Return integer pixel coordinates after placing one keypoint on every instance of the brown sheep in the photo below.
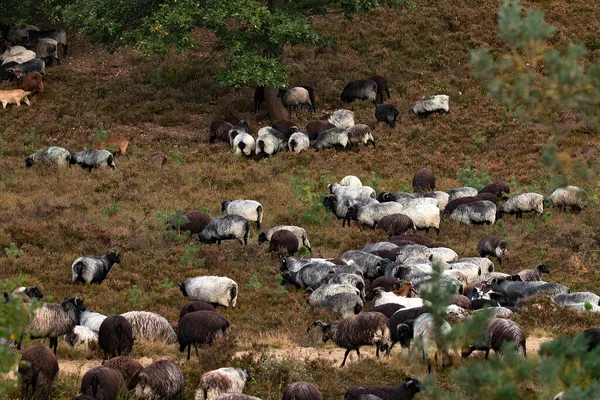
(284, 241)
(314, 128)
(33, 82)
(413, 237)
(196, 305)
(101, 383)
(498, 188)
(128, 366)
(14, 96)
(302, 391)
(396, 224)
(157, 158)
(423, 181)
(199, 328)
(115, 336)
(117, 143)
(197, 222)
(38, 371)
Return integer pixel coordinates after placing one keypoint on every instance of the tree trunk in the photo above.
(275, 107)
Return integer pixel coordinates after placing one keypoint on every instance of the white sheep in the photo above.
(91, 320)
(526, 202)
(350, 180)
(222, 380)
(371, 214)
(211, 289)
(252, 210)
(572, 197)
(269, 141)
(298, 141)
(443, 254)
(430, 105)
(340, 118)
(425, 216)
(383, 297)
(476, 212)
(82, 336)
(351, 191)
(244, 144)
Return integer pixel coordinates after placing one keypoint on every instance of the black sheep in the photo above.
(314, 128)
(382, 87)
(219, 131)
(200, 327)
(405, 391)
(387, 309)
(499, 189)
(115, 336)
(101, 383)
(128, 366)
(424, 180)
(196, 305)
(284, 241)
(387, 113)
(259, 97)
(38, 371)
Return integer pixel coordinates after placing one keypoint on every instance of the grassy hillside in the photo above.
(166, 105)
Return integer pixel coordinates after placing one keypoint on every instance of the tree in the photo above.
(255, 35)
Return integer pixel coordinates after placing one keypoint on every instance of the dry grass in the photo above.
(166, 105)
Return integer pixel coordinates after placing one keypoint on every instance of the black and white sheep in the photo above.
(37, 370)
(50, 155)
(115, 336)
(128, 366)
(430, 105)
(534, 274)
(424, 216)
(340, 205)
(284, 241)
(493, 246)
(371, 214)
(335, 137)
(298, 141)
(26, 293)
(572, 197)
(90, 159)
(360, 134)
(363, 89)
(101, 383)
(222, 380)
(311, 275)
(215, 290)
(300, 233)
(239, 129)
(150, 326)
(477, 212)
(225, 227)
(35, 65)
(340, 118)
(387, 113)
(93, 269)
(313, 128)
(295, 97)
(60, 35)
(160, 380)
(252, 210)
(526, 202)
(199, 328)
(453, 204)
(269, 141)
(302, 391)
(382, 87)
(195, 305)
(405, 391)
(461, 192)
(498, 332)
(219, 131)
(360, 330)
(343, 305)
(423, 180)
(243, 143)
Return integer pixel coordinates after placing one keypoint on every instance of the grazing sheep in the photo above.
(534, 274)
(197, 221)
(453, 204)
(400, 317)
(493, 246)
(461, 192)
(441, 197)
(363, 89)
(114, 144)
(322, 293)
(381, 246)
(368, 263)
(332, 138)
(239, 129)
(101, 383)
(311, 275)
(388, 309)
(128, 366)
(314, 128)
(60, 35)
(93, 269)
(294, 264)
(351, 191)
(219, 131)
(430, 105)
(259, 97)
(225, 227)
(82, 336)
(382, 87)
(195, 305)
(33, 82)
(572, 197)
(115, 336)
(388, 283)
(498, 332)
(157, 158)
(356, 331)
(50, 155)
(576, 298)
(91, 159)
(160, 380)
(243, 144)
(199, 328)
(340, 118)
(340, 205)
(350, 180)
(215, 290)
(300, 233)
(424, 180)
(387, 113)
(499, 189)
(360, 133)
(37, 370)
(284, 241)
(20, 58)
(371, 214)
(396, 224)
(14, 96)
(54, 320)
(348, 278)
(91, 320)
(526, 202)
(250, 209)
(269, 141)
(222, 380)
(150, 326)
(477, 212)
(284, 129)
(405, 391)
(343, 305)
(302, 391)
(295, 97)
(298, 141)
(424, 216)
(442, 254)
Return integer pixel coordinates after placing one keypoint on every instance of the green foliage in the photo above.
(177, 156)
(471, 177)
(13, 251)
(112, 210)
(134, 294)
(166, 284)
(254, 283)
(309, 194)
(172, 223)
(303, 251)
(100, 133)
(189, 256)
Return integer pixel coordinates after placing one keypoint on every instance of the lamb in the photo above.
(340, 118)
(14, 96)
(572, 197)
(114, 144)
(150, 326)
(314, 128)
(91, 159)
(93, 269)
(224, 227)
(284, 241)
(396, 224)
(200, 327)
(195, 305)
(331, 138)
(425, 107)
(382, 87)
(60, 35)
(222, 380)
(499, 189)
(128, 366)
(425, 216)
(157, 158)
(526, 202)
(259, 97)
(424, 180)
(298, 141)
(323, 292)
(160, 380)
(91, 320)
(243, 144)
(216, 290)
(82, 336)
(197, 221)
(54, 320)
(405, 391)
(219, 131)
(33, 82)
(269, 141)
(37, 370)
(461, 192)
(363, 89)
(360, 133)
(534, 274)
(300, 233)
(576, 298)
(498, 332)
(101, 383)
(453, 204)
(371, 214)
(350, 180)
(295, 97)
(477, 212)
(343, 305)
(115, 336)
(302, 391)
(360, 330)
(493, 246)
(387, 113)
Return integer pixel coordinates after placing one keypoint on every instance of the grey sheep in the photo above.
(16, 34)
(343, 305)
(150, 326)
(300, 233)
(115, 336)
(199, 328)
(222, 380)
(314, 128)
(269, 141)
(526, 202)
(381, 246)
(477, 212)
(396, 224)
(534, 274)
(101, 383)
(371, 214)
(339, 205)
(90, 159)
(298, 141)
(368, 263)
(34, 65)
(128, 366)
(60, 35)
(45, 49)
(332, 138)
(348, 278)
(387, 113)
(37, 370)
(302, 391)
(430, 105)
(243, 143)
(382, 87)
(461, 192)
(195, 305)
(351, 191)
(340, 118)
(93, 269)
(577, 297)
(360, 330)
(360, 134)
(294, 264)
(405, 391)
(311, 275)
(453, 204)
(160, 380)
(363, 89)
(252, 210)
(238, 129)
(424, 216)
(572, 197)
(323, 292)
(423, 180)
(50, 155)
(441, 197)
(216, 290)
(225, 227)
(499, 189)
(493, 246)
(284, 241)
(498, 332)
(219, 131)
(295, 97)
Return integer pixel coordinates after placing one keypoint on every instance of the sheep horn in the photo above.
(317, 323)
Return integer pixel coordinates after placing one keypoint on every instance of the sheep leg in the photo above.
(189, 349)
(196, 347)
(487, 353)
(54, 344)
(437, 230)
(345, 356)
(377, 351)
(358, 352)
(26, 100)
(27, 391)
